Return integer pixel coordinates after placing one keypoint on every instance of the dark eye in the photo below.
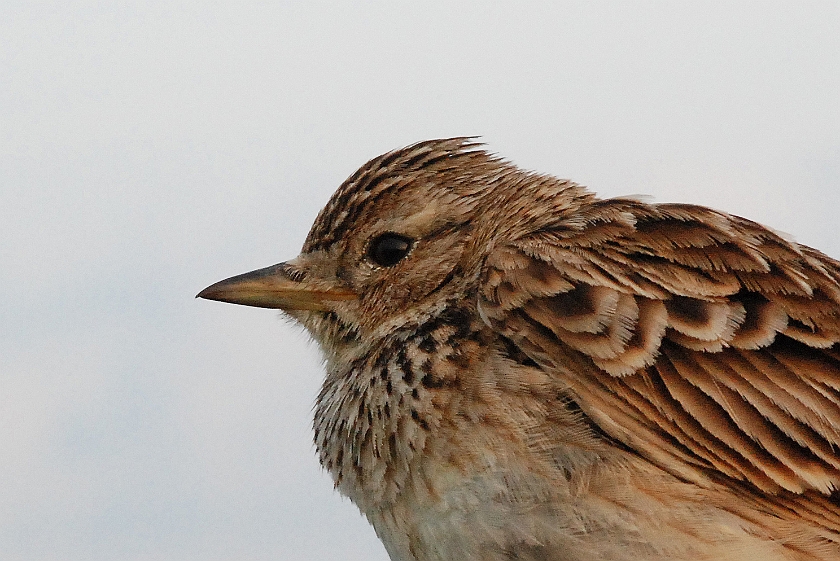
(388, 249)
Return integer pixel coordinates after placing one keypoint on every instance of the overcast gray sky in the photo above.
(148, 149)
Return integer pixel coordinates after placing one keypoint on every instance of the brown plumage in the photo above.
(517, 369)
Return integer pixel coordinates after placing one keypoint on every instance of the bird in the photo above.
(518, 369)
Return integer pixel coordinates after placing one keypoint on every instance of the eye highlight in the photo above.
(388, 249)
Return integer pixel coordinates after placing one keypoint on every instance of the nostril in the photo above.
(293, 273)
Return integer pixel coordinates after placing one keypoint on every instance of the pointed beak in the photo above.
(273, 287)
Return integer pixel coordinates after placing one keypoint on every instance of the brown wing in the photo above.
(704, 341)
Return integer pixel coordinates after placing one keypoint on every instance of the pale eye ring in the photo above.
(388, 249)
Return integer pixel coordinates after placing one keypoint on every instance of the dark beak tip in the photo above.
(273, 288)
(205, 293)
(213, 292)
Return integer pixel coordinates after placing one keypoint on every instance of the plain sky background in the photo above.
(148, 149)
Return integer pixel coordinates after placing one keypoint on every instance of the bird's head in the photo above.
(401, 239)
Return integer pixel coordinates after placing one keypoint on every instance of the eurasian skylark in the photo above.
(517, 369)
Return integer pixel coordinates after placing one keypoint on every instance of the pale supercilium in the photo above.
(517, 369)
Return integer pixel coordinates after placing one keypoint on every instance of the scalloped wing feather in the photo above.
(704, 341)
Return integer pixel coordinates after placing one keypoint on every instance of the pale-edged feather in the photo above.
(725, 366)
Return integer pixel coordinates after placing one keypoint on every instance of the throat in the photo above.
(375, 415)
